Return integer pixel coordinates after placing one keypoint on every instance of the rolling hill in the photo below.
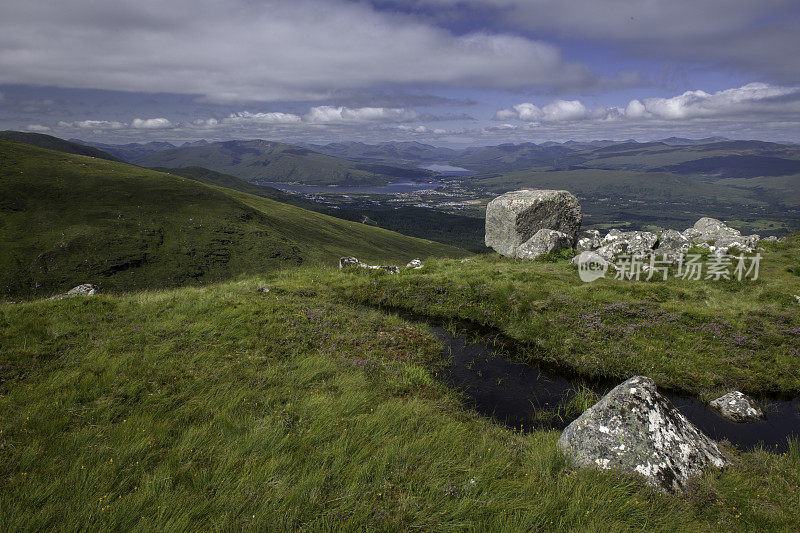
(268, 161)
(68, 219)
(54, 143)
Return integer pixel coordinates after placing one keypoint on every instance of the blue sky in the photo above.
(444, 72)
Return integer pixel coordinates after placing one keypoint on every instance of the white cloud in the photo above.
(556, 111)
(93, 124)
(244, 117)
(749, 102)
(265, 50)
(37, 128)
(331, 114)
(151, 123)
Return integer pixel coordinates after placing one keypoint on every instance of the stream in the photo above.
(516, 394)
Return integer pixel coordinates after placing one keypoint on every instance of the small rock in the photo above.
(634, 429)
(544, 241)
(737, 407)
(467, 260)
(588, 240)
(85, 289)
(416, 264)
(262, 290)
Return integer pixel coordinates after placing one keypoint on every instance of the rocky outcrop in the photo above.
(610, 251)
(85, 289)
(634, 429)
(720, 235)
(543, 241)
(352, 262)
(737, 407)
(513, 218)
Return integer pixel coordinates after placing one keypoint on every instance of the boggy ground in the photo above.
(301, 408)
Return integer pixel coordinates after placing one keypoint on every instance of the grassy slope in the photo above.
(703, 337)
(54, 143)
(70, 219)
(273, 161)
(220, 408)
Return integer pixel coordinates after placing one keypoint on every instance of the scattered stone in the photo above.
(85, 289)
(638, 242)
(543, 241)
(610, 251)
(346, 262)
(589, 256)
(262, 290)
(514, 217)
(797, 297)
(737, 407)
(416, 264)
(467, 260)
(634, 429)
(771, 238)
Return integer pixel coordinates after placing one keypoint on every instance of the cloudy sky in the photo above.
(444, 72)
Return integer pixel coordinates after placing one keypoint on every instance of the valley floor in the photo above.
(306, 407)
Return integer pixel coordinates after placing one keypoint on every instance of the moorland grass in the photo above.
(298, 408)
(701, 337)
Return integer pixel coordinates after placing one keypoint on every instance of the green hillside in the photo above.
(67, 219)
(54, 143)
(269, 161)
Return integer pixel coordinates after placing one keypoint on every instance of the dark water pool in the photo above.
(516, 394)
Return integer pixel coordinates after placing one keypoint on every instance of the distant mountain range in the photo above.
(367, 164)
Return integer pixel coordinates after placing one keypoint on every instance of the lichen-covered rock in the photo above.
(416, 264)
(737, 407)
(514, 217)
(673, 241)
(588, 240)
(543, 241)
(634, 429)
(85, 289)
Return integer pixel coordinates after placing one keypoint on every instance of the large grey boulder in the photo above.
(738, 407)
(543, 241)
(634, 429)
(514, 217)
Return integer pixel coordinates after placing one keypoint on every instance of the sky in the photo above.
(441, 72)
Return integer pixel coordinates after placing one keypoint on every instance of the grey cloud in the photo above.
(254, 50)
(747, 34)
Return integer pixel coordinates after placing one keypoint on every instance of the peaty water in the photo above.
(516, 394)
